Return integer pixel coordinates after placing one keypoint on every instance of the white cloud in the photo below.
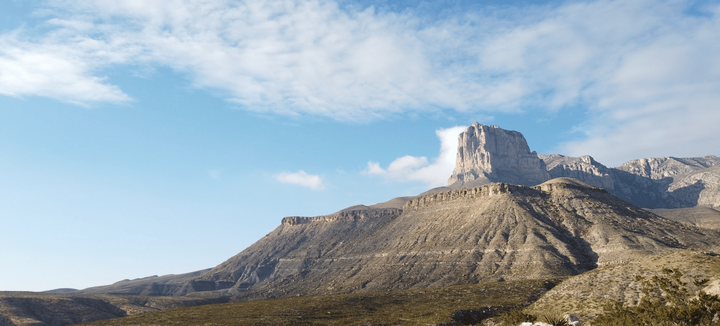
(411, 168)
(301, 178)
(633, 66)
(59, 71)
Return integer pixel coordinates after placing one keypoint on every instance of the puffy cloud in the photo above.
(301, 178)
(411, 168)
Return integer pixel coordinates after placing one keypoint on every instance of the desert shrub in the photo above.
(514, 317)
(555, 320)
(665, 301)
(475, 316)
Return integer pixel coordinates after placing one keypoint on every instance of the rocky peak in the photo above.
(583, 168)
(489, 154)
(668, 167)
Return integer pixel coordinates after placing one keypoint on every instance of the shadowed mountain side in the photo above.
(704, 217)
(488, 233)
(653, 183)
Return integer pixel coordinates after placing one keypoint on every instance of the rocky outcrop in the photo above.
(651, 183)
(344, 215)
(489, 154)
(583, 168)
(668, 167)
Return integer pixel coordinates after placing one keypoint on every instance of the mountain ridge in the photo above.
(492, 232)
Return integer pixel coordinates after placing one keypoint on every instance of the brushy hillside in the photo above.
(405, 307)
(585, 295)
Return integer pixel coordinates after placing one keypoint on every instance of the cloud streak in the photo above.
(63, 72)
(301, 178)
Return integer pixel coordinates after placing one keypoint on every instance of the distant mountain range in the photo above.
(491, 154)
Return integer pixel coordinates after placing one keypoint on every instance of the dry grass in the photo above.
(408, 307)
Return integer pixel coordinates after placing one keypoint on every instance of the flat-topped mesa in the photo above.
(352, 215)
(488, 154)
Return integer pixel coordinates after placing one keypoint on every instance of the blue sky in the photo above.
(152, 138)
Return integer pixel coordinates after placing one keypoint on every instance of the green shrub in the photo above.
(515, 316)
(665, 301)
(555, 320)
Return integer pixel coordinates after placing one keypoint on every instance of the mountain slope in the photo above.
(489, 233)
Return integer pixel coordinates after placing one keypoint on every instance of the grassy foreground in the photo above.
(409, 307)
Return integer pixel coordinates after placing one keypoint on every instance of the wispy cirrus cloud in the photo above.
(301, 178)
(60, 71)
(412, 168)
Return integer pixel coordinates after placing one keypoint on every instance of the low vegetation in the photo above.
(458, 305)
(666, 301)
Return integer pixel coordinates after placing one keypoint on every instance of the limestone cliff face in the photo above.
(489, 154)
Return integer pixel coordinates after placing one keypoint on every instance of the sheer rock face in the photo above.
(489, 154)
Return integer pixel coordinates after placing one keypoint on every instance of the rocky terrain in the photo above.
(652, 183)
(585, 294)
(488, 154)
(489, 233)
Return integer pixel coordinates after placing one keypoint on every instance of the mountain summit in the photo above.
(488, 154)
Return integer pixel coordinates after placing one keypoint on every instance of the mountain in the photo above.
(488, 154)
(492, 232)
(507, 214)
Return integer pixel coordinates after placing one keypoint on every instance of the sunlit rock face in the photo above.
(489, 154)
